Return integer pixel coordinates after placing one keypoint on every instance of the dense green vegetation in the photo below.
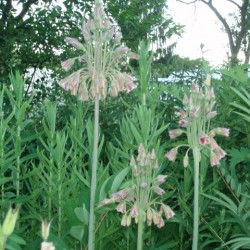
(48, 136)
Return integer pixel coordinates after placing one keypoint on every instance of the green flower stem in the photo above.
(2, 242)
(91, 237)
(140, 231)
(196, 154)
(18, 149)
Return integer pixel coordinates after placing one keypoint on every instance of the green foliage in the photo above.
(245, 97)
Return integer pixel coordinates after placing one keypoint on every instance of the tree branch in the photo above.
(225, 24)
(243, 24)
(25, 9)
(233, 2)
(194, 1)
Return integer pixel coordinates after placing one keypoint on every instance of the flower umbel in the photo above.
(102, 53)
(143, 197)
(196, 116)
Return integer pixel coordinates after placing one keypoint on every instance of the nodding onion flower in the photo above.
(194, 121)
(101, 54)
(144, 195)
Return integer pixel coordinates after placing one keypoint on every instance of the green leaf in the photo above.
(77, 232)
(82, 214)
(119, 179)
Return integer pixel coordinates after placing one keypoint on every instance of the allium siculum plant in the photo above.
(100, 75)
(142, 201)
(195, 119)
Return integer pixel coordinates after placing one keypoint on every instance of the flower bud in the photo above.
(124, 220)
(208, 80)
(45, 228)
(185, 160)
(128, 222)
(211, 115)
(222, 131)
(10, 221)
(143, 185)
(159, 179)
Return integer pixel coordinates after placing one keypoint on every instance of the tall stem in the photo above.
(196, 154)
(18, 146)
(91, 238)
(59, 206)
(140, 231)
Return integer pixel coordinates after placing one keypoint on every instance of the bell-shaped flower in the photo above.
(171, 155)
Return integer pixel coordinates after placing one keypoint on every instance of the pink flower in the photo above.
(220, 153)
(211, 114)
(159, 179)
(160, 223)
(204, 139)
(134, 211)
(106, 202)
(213, 144)
(169, 213)
(214, 159)
(66, 65)
(156, 217)
(183, 123)
(175, 133)
(222, 131)
(122, 194)
(159, 191)
(171, 155)
(71, 82)
(121, 208)
(74, 42)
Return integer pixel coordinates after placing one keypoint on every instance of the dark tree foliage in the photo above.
(32, 32)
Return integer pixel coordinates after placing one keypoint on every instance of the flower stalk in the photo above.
(140, 231)
(142, 201)
(91, 240)
(196, 155)
(195, 120)
(99, 76)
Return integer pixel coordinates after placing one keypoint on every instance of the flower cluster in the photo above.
(144, 196)
(194, 121)
(102, 53)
